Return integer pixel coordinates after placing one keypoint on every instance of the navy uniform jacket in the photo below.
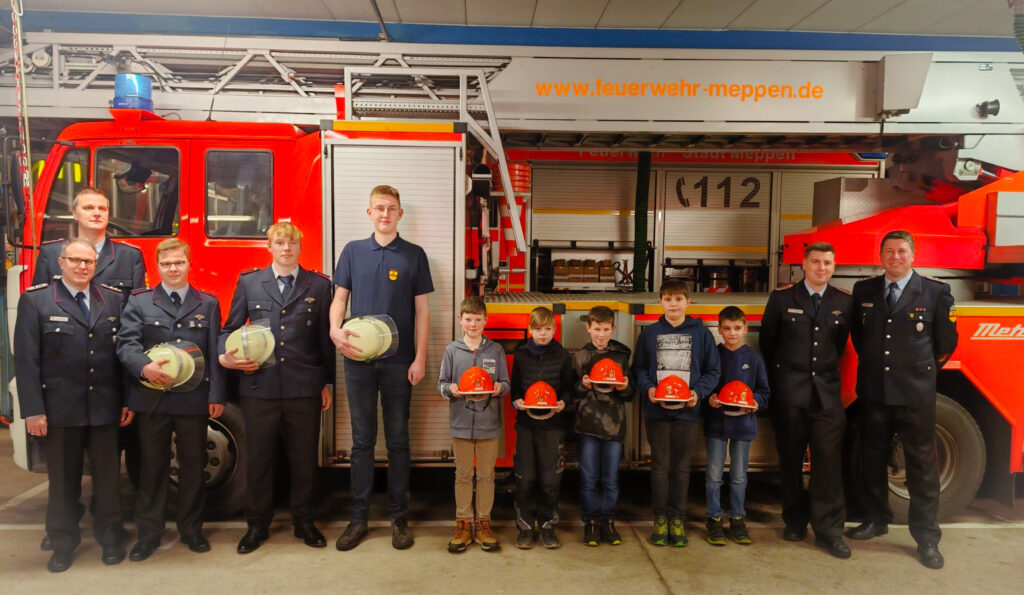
(802, 350)
(900, 351)
(117, 265)
(66, 366)
(303, 352)
(149, 319)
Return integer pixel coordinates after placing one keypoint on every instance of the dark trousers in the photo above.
(672, 442)
(916, 429)
(538, 466)
(190, 444)
(822, 430)
(297, 423)
(64, 457)
(364, 382)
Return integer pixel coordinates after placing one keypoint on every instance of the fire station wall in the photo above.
(425, 177)
(585, 203)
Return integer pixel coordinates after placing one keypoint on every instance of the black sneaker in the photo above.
(591, 534)
(549, 539)
(401, 536)
(525, 539)
(608, 532)
(716, 535)
(738, 530)
(353, 534)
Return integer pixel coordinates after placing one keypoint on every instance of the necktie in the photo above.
(816, 298)
(894, 296)
(287, 289)
(80, 298)
(176, 300)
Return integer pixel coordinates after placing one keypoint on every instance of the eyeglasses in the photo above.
(75, 262)
(166, 264)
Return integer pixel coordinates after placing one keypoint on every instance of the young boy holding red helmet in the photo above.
(473, 377)
(675, 345)
(541, 389)
(603, 386)
(728, 427)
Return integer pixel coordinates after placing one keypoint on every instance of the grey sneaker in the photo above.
(525, 539)
(549, 539)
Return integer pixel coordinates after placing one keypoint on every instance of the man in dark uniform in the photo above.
(903, 334)
(803, 333)
(118, 265)
(70, 393)
(172, 311)
(383, 274)
(284, 398)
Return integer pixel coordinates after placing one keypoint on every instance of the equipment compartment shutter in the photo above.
(425, 177)
(717, 214)
(586, 203)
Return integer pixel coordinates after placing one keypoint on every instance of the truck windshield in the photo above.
(142, 184)
(72, 177)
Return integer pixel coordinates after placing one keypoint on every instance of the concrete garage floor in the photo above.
(983, 550)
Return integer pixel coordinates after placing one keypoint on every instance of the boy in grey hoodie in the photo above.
(475, 422)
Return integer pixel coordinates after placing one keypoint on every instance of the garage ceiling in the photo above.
(905, 17)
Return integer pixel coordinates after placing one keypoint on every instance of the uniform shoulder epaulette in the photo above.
(141, 290)
(841, 290)
(52, 241)
(58, 277)
(250, 271)
(111, 287)
(321, 275)
(944, 282)
(39, 286)
(207, 293)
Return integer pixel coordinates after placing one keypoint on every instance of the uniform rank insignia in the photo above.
(836, 312)
(393, 274)
(200, 317)
(112, 318)
(59, 319)
(867, 305)
(310, 300)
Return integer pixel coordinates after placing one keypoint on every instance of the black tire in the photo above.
(960, 454)
(226, 457)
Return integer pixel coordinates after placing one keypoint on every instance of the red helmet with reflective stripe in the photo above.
(738, 394)
(540, 395)
(475, 380)
(672, 388)
(607, 371)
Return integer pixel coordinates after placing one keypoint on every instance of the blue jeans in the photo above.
(599, 476)
(739, 457)
(363, 383)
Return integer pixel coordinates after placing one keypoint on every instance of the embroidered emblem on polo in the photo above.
(393, 274)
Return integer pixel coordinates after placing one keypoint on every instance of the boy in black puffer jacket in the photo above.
(540, 435)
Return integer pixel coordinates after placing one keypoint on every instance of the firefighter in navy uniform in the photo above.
(286, 397)
(903, 333)
(803, 333)
(70, 393)
(173, 310)
(118, 265)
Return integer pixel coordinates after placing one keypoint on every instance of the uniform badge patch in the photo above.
(795, 311)
(59, 319)
(952, 313)
(393, 274)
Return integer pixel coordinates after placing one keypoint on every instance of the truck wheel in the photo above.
(224, 471)
(960, 455)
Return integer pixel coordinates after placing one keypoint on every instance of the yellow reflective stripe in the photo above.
(362, 126)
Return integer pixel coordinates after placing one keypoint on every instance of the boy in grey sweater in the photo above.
(474, 414)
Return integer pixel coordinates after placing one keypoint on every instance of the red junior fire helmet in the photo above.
(540, 395)
(476, 380)
(738, 394)
(607, 371)
(672, 388)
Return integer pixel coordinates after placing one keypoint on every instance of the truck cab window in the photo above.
(239, 198)
(142, 184)
(71, 177)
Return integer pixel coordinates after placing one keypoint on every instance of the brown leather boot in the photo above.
(463, 536)
(485, 537)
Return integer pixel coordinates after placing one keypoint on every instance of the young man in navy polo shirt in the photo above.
(382, 274)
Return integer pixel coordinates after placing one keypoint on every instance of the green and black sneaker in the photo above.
(591, 534)
(677, 533)
(716, 536)
(738, 529)
(659, 536)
